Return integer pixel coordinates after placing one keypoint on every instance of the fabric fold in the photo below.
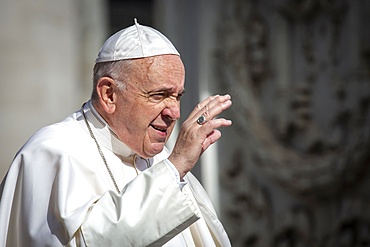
(160, 198)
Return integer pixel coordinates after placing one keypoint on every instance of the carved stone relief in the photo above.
(299, 75)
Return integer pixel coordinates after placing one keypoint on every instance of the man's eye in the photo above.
(179, 96)
(157, 97)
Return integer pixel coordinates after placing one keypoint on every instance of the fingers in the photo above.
(219, 122)
(211, 138)
(208, 132)
(207, 127)
(211, 107)
(203, 119)
(196, 135)
(201, 105)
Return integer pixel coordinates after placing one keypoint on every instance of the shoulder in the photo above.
(64, 135)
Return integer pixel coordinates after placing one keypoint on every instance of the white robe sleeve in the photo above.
(149, 212)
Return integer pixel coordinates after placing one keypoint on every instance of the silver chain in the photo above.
(101, 152)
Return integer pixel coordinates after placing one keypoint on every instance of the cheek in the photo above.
(144, 116)
(139, 116)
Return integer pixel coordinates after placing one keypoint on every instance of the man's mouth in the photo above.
(161, 129)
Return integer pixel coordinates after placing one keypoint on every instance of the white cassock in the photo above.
(58, 192)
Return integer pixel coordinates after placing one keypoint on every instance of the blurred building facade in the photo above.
(293, 169)
(296, 172)
(47, 52)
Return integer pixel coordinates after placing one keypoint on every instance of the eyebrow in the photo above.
(171, 89)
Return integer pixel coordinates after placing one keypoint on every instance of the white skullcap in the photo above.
(136, 41)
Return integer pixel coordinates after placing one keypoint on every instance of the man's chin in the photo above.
(155, 149)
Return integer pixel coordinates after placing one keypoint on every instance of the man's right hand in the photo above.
(194, 138)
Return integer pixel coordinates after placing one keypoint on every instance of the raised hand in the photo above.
(199, 131)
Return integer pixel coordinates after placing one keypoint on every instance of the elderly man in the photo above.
(103, 176)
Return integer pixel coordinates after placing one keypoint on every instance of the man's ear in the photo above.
(106, 89)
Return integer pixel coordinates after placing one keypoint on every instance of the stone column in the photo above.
(189, 26)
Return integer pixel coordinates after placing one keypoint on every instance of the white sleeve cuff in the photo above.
(175, 173)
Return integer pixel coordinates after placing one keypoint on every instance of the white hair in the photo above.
(117, 70)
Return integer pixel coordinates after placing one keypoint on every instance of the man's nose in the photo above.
(172, 109)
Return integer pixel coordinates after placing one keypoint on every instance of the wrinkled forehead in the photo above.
(163, 69)
(159, 64)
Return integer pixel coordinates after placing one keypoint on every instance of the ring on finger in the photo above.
(201, 120)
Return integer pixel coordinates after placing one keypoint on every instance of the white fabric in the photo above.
(136, 41)
(57, 192)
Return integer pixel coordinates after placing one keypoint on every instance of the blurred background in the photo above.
(293, 170)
